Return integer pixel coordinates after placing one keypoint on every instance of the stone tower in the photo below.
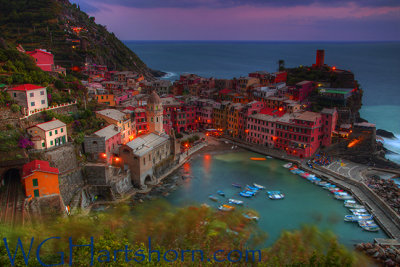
(154, 113)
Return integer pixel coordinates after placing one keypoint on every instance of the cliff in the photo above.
(69, 33)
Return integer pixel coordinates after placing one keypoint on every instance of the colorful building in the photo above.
(30, 97)
(108, 99)
(103, 144)
(48, 134)
(45, 61)
(39, 179)
(122, 120)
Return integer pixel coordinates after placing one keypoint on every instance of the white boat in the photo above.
(250, 216)
(369, 225)
(269, 157)
(356, 218)
(275, 195)
(354, 206)
(235, 201)
(343, 197)
(359, 210)
(259, 186)
(288, 165)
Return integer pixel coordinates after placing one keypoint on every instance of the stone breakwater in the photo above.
(387, 190)
(387, 255)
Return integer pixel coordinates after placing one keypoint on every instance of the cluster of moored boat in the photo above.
(359, 213)
(247, 192)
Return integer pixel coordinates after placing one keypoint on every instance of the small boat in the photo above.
(343, 197)
(252, 188)
(226, 208)
(329, 185)
(288, 165)
(275, 195)
(354, 206)
(221, 193)
(359, 210)
(261, 187)
(246, 194)
(250, 216)
(360, 213)
(356, 218)
(269, 157)
(258, 159)
(235, 201)
(369, 225)
(335, 189)
(340, 193)
(213, 198)
(351, 201)
(322, 183)
(237, 185)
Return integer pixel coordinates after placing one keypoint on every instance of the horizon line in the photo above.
(292, 41)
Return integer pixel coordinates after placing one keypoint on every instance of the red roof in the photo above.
(272, 112)
(38, 51)
(26, 87)
(37, 165)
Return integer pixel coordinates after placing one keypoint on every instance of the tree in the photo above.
(281, 65)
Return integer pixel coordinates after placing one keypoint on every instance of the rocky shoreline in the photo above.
(388, 255)
(387, 190)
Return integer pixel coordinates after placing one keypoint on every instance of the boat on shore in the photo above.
(213, 198)
(252, 188)
(226, 208)
(288, 165)
(359, 210)
(221, 193)
(237, 185)
(235, 201)
(354, 205)
(260, 187)
(344, 197)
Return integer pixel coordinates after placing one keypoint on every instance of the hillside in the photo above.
(70, 34)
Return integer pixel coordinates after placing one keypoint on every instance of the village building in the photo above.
(122, 120)
(48, 134)
(45, 61)
(39, 179)
(30, 97)
(103, 144)
(143, 154)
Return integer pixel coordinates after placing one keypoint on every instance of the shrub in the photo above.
(15, 108)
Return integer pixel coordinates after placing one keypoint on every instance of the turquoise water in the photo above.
(305, 203)
(376, 66)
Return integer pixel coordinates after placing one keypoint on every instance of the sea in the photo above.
(376, 66)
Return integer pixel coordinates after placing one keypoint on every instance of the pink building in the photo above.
(329, 120)
(103, 144)
(302, 90)
(43, 59)
(31, 97)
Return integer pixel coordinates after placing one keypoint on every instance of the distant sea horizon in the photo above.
(375, 64)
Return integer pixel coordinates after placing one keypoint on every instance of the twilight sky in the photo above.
(325, 20)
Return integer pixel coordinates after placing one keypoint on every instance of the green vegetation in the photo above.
(9, 139)
(19, 68)
(49, 24)
(189, 228)
(302, 73)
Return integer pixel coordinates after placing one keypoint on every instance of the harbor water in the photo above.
(304, 203)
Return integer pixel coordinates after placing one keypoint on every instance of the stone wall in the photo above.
(71, 183)
(62, 157)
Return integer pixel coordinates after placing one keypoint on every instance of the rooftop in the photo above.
(112, 114)
(37, 165)
(145, 143)
(50, 125)
(307, 116)
(26, 87)
(108, 131)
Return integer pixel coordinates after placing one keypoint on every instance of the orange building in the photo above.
(106, 99)
(39, 179)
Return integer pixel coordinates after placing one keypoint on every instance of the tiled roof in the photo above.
(37, 165)
(26, 87)
(50, 125)
(112, 114)
(108, 131)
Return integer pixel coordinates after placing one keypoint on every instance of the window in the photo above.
(32, 94)
(51, 142)
(50, 133)
(32, 104)
(55, 132)
(62, 130)
(43, 102)
(41, 92)
(35, 182)
(15, 94)
(36, 192)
